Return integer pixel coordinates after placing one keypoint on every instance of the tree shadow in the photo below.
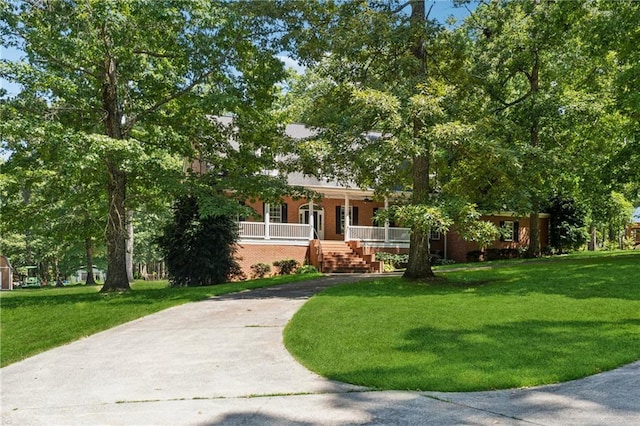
(502, 356)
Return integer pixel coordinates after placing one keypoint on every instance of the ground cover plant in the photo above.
(518, 325)
(34, 320)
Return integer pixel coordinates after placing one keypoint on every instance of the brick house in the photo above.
(633, 229)
(338, 233)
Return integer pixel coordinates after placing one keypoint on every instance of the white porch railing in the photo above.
(289, 231)
(373, 233)
(251, 229)
(366, 233)
(277, 231)
(298, 231)
(399, 234)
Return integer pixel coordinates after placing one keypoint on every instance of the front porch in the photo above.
(296, 233)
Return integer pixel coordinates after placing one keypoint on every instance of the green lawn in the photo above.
(517, 325)
(34, 320)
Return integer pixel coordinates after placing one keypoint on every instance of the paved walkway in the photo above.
(222, 362)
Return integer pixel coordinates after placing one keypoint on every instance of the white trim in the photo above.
(253, 242)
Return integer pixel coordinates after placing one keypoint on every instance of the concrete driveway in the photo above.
(222, 361)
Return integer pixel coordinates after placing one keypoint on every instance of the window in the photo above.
(277, 213)
(636, 235)
(434, 235)
(508, 228)
(353, 215)
(510, 231)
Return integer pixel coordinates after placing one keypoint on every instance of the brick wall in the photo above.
(250, 254)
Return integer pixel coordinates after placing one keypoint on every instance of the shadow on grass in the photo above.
(615, 277)
(501, 356)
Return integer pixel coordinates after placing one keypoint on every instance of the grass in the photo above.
(34, 320)
(519, 325)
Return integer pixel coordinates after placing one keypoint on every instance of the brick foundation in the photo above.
(250, 254)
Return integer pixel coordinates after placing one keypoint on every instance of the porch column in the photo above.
(267, 220)
(311, 221)
(346, 217)
(386, 222)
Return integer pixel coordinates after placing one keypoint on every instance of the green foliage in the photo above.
(199, 250)
(567, 227)
(307, 269)
(121, 92)
(286, 266)
(396, 261)
(524, 324)
(259, 270)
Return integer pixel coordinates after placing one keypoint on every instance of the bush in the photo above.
(259, 270)
(307, 269)
(398, 261)
(437, 260)
(199, 250)
(286, 266)
(567, 226)
(495, 254)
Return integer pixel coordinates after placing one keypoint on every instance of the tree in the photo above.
(380, 90)
(522, 53)
(567, 227)
(199, 249)
(133, 82)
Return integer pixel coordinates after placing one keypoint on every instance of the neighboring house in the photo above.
(80, 276)
(338, 233)
(633, 230)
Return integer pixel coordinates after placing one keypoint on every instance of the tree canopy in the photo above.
(127, 87)
(521, 102)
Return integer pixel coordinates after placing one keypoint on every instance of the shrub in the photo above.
(259, 270)
(495, 254)
(388, 267)
(306, 269)
(199, 250)
(398, 261)
(286, 266)
(567, 226)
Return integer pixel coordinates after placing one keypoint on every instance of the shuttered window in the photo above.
(353, 214)
(277, 213)
(512, 230)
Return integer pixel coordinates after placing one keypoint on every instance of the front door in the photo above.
(318, 220)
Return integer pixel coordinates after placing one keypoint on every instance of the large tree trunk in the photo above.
(534, 235)
(88, 247)
(534, 217)
(419, 265)
(116, 231)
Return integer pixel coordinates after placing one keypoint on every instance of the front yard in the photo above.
(519, 325)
